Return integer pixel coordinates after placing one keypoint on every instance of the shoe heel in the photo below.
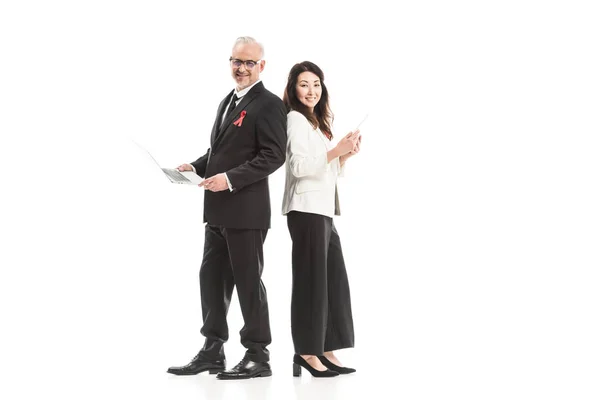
(214, 371)
(297, 370)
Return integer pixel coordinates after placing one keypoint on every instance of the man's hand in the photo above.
(185, 167)
(216, 183)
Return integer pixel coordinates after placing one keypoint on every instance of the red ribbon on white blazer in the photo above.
(238, 122)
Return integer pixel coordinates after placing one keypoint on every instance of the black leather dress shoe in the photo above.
(199, 364)
(342, 370)
(247, 369)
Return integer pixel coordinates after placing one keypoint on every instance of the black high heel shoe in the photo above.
(333, 367)
(301, 362)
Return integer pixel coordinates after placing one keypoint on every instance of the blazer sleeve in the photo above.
(303, 160)
(271, 138)
(200, 164)
(341, 168)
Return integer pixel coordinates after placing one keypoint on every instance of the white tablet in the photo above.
(361, 122)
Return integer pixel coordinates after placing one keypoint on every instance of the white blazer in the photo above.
(310, 181)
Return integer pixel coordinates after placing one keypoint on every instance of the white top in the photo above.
(310, 181)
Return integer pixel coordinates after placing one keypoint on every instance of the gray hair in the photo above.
(249, 40)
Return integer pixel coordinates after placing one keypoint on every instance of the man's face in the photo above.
(243, 72)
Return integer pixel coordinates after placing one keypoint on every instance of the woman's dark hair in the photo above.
(321, 117)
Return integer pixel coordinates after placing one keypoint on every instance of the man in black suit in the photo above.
(248, 143)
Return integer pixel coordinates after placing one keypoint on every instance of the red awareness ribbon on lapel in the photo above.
(238, 122)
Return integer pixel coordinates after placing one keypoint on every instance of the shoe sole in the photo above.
(263, 374)
(211, 371)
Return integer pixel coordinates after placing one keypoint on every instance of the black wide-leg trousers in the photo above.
(234, 257)
(321, 310)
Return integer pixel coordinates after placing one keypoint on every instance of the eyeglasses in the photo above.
(249, 64)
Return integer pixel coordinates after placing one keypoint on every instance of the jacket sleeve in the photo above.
(304, 160)
(341, 168)
(200, 164)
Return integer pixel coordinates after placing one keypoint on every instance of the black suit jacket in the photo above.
(248, 154)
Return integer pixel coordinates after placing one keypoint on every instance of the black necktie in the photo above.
(231, 107)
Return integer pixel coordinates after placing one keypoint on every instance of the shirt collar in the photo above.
(243, 92)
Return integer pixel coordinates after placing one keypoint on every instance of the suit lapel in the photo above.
(323, 138)
(215, 131)
(224, 128)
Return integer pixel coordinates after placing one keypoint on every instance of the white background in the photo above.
(470, 219)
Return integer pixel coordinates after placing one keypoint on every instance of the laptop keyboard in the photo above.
(175, 175)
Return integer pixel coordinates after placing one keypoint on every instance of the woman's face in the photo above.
(308, 89)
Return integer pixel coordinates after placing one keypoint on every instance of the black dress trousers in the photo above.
(321, 309)
(234, 257)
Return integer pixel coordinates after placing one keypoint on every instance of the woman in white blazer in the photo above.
(321, 311)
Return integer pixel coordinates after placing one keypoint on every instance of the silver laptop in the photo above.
(185, 177)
